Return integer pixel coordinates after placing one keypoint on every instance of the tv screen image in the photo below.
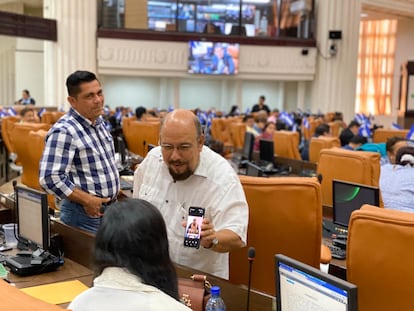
(213, 58)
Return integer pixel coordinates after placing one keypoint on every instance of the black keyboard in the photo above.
(337, 252)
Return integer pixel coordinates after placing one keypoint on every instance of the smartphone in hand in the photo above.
(193, 228)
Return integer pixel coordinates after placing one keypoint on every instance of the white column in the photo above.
(75, 48)
(334, 88)
(7, 70)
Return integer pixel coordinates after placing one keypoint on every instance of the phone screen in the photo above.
(193, 228)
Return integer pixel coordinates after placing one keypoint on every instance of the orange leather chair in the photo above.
(138, 134)
(380, 258)
(361, 167)
(237, 131)
(286, 144)
(316, 144)
(335, 128)
(50, 117)
(381, 135)
(7, 125)
(285, 216)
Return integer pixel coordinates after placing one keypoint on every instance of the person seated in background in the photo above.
(132, 262)
(355, 142)
(392, 145)
(234, 111)
(397, 181)
(28, 115)
(141, 113)
(261, 105)
(321, 130)
(273, 116)
(349, 132)
(267, 134)
(26, 99)
(250, 125)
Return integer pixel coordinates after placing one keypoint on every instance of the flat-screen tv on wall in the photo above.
(213, 58)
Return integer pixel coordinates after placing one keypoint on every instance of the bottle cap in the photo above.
(215, 290)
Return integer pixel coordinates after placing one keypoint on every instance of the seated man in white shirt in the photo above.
(181, 173)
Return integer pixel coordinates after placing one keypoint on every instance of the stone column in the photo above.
(334, 87)
(75, 48)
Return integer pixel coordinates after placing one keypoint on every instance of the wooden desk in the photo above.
(78, 246)
(70, 270)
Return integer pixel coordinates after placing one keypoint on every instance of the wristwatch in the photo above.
(214, 243)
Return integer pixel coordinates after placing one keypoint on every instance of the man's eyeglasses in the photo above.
(180, 147)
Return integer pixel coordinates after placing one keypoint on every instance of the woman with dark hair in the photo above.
(132, 262)
(397, 181)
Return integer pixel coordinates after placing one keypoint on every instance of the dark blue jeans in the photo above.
(74, 215)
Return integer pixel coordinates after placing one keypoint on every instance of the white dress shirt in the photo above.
(213, 186)
(117, 289)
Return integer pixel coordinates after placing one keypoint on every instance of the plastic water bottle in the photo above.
(215, 303)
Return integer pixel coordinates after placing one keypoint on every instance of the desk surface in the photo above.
(70, 270)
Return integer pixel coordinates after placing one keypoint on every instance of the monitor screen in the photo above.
(248, 146)
(121, 149)
(348, 197)
(266, 150)
(302, 287)
(32, 218)
(213, 58)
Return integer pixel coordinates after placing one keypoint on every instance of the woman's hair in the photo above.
(140, 111)
(133, 236)
(405, 156)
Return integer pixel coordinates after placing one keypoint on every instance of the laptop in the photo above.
(302, 287)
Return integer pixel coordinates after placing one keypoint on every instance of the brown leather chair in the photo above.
(29, 141)
(286, 144)
(361, 167)
(382, 135)
(50, 117)
(380, 258)
(138, 134)
(7, 124)
(237, 131)
(316, 144)
(285, 216)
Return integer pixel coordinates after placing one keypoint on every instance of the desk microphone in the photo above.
(320, 178)
(251, 254)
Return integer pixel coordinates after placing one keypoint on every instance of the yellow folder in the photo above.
(56, 293)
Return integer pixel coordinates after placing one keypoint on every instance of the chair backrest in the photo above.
(316, 144)
(50, 117)
(361, 167)
(381, 135)
(285, 216)
(139, 134)
(20, 140)
(380, 258)
(7, 124)
(335, 128)
(237, 131)
(286, 144)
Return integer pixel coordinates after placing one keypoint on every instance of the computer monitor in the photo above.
(348, 197)
(122, 150)
(266, 150)
(32, 218)
(248, 146)
(302, 287)
(253, 170)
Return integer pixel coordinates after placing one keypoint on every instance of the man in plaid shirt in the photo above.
(78, 163)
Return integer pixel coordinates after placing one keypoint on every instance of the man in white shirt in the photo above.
(182, 172)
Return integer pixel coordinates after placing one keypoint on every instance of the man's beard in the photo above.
(181, 176)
